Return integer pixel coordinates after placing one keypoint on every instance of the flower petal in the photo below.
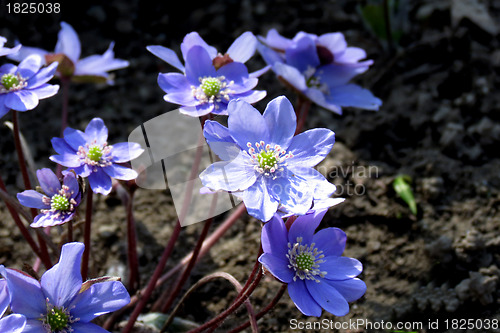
(13, 323)
(120, 172)
(328, 297)
(260, 204)
(32, 199)
(49, 219)
(22, 100)
(26, 293)
(100, 182)
(126, 151)
(290, 75)
(167, 55)
(184, 98)
(310, 147)
(304, 227)
(46, 90)
(278, 266)
(99, 299)
(294, 193)
(302, 298)
(68, 42)
(331, 241)
(29, 66)
(61, 146)
(96, 130)
(75, 138)
(351, 289)
(281, 121)
(341, 268)
(48, 181)
(67, 160)
(334, 42)
(193, 39)
(274, 237)
(80, 327)
(233, 175)
(99, 65)
(355, 96)
(63, 281)
(303, 54)
(72, 183)
(246, 124)
(243, 48)
(173, 82)
(4, 297)
(198, 65)
(276, 41)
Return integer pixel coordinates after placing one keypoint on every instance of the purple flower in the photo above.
(58, 204)
(312, 264)
(89, 155)
(320, 68)
(263, 163)
(5, 50)
(60, 302)
(21, 87)
(209, 80)
(94, 68)
(13, 323)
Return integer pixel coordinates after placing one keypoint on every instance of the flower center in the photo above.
(59, 202)
(305, 261)
(11, 82)
(313, 80)
(95, 153)
(57, 319)
(268, 160)
(211, 86)
(212, 89)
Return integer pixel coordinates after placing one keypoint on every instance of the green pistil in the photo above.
(95, 153)
(59, 202)
(9, 81)
(57, 319)
(304, 261)
(267, 159)
(210, 86)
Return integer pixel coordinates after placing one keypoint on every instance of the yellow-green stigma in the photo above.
(59, 202)
(57, 319)
(304, 261)
(9, 81)
(267, 159)
(95, 153)
(211, 86)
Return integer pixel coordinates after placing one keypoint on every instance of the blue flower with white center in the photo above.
(90, 156)
(93, 68)
(13, 323)
(208, 80)
(21, 87)
(312, 266)
(58, 203)
(263, 163)
(60, 302)
(320, 68)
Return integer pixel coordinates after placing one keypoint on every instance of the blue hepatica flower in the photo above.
(320, 68)
(21, 87)
(262, 161)
(60, 302)
(208, 80)
(89, 155)
(5, 50)
(58, 204)
(312, 264)
(67, 52)
(13, 323)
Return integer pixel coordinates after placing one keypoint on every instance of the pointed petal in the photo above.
(252, 96)
(243, 48)
(100, 64)
(193, 39)
(46, 90)
(341, 268)
(22, 100)
(96, 130)
(100, 182)
(281, 121)
(32, 199)
(63, 281)
(331, 241)
(275, 237)
(328, 297)
(48, 181)
(167, 55)
(278, 266)
(99, 299)
(310, 147)
(67, 160)
(126, 151)
(246, 124)
(68, 42)
(302, 298)
(27, 296)
(351, 289)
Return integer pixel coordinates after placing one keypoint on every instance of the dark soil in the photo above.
(439, 124)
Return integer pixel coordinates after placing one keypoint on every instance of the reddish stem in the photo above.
(86, 234)
(303, 106)
(133, 261)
